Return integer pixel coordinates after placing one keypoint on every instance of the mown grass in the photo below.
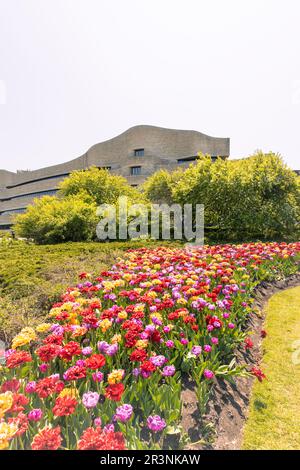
(32, 277)
(274, 419)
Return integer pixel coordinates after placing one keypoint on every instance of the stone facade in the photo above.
(134, 154)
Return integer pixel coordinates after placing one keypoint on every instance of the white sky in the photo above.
(77, 72)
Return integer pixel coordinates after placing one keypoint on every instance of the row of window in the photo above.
(137, 153)
(141, 153)
(44, 178)
(193, 159)
(13, 211)
(49, 192)
(39, 194)
(134, 170)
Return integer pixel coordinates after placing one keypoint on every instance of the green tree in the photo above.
(55, 220)
(158, 187)
(100, 184)
(255, 197)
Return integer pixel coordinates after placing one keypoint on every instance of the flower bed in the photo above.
(105, 371)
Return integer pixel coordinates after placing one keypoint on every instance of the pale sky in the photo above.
(77, 72)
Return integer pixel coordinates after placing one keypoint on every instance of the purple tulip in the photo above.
(35, 414)
(156, 423)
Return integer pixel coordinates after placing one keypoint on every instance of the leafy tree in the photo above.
(72, 215)
(100, 184)
(256, 197)
(252, 198)
(158, 187)
(54, 220)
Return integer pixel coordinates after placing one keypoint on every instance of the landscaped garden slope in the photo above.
(274, 417)
(33, 277)
(104, 371)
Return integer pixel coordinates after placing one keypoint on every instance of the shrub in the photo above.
(54, 220)
(72, 216)
(257, 197)
(253, 198)
(158, 187)
(100, 185)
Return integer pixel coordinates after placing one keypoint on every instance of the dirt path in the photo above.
(228, 406)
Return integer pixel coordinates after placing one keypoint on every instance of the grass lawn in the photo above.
(32, 277)
(274, 417)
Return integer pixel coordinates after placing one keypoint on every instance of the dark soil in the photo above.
(222, 426)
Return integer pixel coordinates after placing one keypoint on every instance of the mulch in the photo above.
(222, 426)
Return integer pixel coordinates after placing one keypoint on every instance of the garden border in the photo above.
(228, 406)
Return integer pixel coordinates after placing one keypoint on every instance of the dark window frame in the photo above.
(108, 168)
(183, 160)
(35, 180)
(135, 170)
(139, 152)
(45, 192)
(20, 210)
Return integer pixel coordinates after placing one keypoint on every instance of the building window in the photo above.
(48, 192)
(108, 168)
(13, 211)
(139, 152)
(181, 161)
(38, 179)
(135, 170)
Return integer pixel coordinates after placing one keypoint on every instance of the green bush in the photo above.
(158, 187)
(55, 220)
(100, 185)
(252, 198)
(72, 214)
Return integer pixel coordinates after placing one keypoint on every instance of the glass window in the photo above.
(186, 160)
(139, 152)
(135, 170)
(13, 211)
(38, 179)
(48, 192)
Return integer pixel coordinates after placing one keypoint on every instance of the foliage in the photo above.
(55, 220)
(71, 215)
(100, 185)
(158, 187)
(253, 198)
(5, 236)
